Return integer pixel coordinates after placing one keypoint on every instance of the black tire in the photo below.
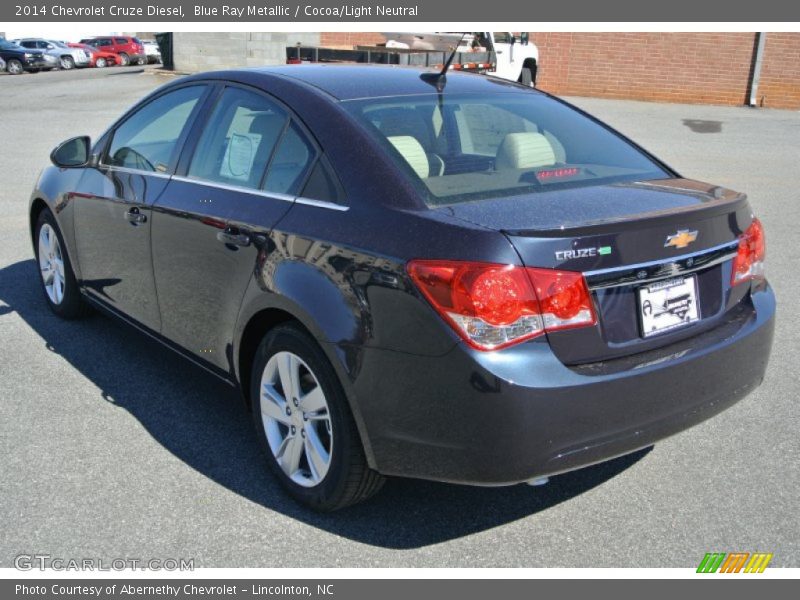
(124, 60)
(14, 67)
(141, 61)
(349, 479)
(72, 305)
(67, 63)
(528, 74)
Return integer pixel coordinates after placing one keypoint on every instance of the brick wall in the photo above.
(779, 85)
(708, 68)
(335, 39)
(701, 68)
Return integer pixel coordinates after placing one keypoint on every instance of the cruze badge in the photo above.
(582, 253)
(681, 239)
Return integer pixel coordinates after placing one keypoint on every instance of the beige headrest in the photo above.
(413, 152)
(524, 150)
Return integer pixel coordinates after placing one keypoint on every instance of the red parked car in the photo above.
(129, 49)
(97, 57)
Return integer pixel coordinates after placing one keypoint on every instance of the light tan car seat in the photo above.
(524, 150)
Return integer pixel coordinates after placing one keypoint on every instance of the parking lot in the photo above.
(113, 447)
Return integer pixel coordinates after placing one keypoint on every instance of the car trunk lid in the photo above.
(666, 243)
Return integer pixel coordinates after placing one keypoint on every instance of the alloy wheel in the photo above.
(296, 419)
(51, 264)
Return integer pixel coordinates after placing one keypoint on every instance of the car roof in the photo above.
(352, 81)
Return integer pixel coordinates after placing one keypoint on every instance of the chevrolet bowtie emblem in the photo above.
(681, 239)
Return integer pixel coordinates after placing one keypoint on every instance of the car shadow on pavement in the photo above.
(201, 420)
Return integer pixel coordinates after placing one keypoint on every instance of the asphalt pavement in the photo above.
(113, 447)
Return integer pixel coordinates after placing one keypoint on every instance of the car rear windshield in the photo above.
(458, 148)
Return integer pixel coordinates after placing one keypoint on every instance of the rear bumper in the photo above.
(506, 417)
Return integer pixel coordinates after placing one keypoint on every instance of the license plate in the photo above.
(668, 305)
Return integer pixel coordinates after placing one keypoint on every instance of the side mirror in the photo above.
(50, 46)
(72, 153)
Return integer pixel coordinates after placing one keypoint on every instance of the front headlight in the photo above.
(28, 56)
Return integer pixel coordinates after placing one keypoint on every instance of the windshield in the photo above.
(461, 148)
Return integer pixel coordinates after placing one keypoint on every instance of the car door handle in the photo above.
(232, 237)
(134, 217)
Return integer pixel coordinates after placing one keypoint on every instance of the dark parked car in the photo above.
(130, 50)
(19, 59)
(462, 280)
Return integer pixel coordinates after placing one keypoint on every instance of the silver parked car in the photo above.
(62, 55)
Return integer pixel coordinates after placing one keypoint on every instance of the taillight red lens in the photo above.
(494, 306)
(563, 297)
(496, 295)
(749, 260)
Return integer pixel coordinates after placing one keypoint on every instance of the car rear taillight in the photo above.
(749, 261)
(493, 306)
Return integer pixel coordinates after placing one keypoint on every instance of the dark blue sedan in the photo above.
(453, 278)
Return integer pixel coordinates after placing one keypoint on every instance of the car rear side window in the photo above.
(290, 165)
(463, 148)
(322, 184)
(147, 139)
(239, 139)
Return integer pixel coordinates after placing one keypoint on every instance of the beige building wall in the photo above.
(210, 51)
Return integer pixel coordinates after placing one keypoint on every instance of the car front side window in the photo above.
(147, 140)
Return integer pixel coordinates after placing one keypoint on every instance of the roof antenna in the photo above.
(439, 79)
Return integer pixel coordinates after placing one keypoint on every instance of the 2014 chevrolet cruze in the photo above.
(457, 279)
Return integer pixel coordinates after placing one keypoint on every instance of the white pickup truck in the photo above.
(515, 57)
